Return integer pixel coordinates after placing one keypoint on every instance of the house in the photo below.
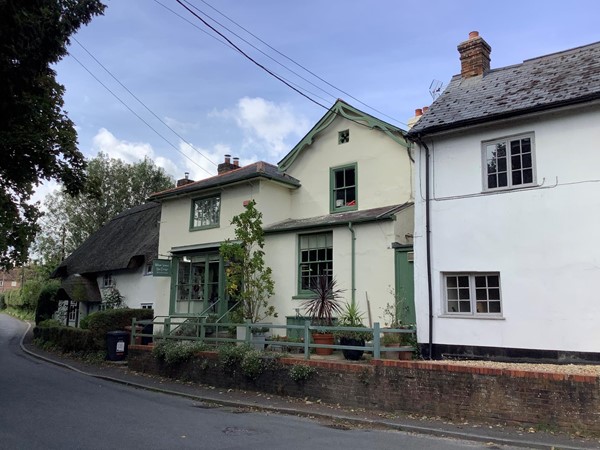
(340, 203)
(507, 166)
(116, 259)
(10, 279)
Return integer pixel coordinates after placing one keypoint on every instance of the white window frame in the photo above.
(107, 280)
(147, 305)
(472, 291)
(509, 178)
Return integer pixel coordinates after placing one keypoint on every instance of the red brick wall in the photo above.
(566, 402)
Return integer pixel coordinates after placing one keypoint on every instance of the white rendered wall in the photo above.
(383, 171)
(135, 287)
(544, 242)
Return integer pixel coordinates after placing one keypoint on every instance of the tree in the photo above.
(37, 139)
(112, 186)
(248, 278)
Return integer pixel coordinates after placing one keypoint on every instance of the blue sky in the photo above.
(383, 53)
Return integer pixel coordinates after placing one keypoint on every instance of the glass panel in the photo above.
(502, 180)
(492, 182)
(453, 307)
(339, 179)
(452, 294)
(493, 280)
(481, 294)
(463, 281)
(502, 164)
(464, 294)
(516, 162)
(500, 150)
(312, 241)
(479, 281)
(494, 293)
(526, 145)
(350, 195)
(516, 177)
(482, 307)
(350, 178)
(526, 161)
(329, 254)
(321, 240)
(494, 307)
(451, 281)
(303, 242)
(515, 147)
(329, 239)
(465, 306)
(528, 176)
(304, 257)
(312, 255)
(491, 165)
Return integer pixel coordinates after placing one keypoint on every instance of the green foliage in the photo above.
(231, 356)
(174, 352)
(47, 303)
(101, 322)
(66, 339)
(352, 317)
(252, 364)
(2, 301)
(325, 300)
(112, 299)
(20, 314)
(301, 372)
(249, 280)
(49, 323)
(37, 139)
(112, 186)
(394, 314)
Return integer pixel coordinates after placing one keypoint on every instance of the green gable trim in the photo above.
(343, 109)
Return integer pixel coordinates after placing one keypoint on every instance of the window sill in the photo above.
(343, 209)
(302, 296)
(207, 227)
(478, 316)
(511, 188)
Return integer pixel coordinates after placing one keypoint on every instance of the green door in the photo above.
(405, 287)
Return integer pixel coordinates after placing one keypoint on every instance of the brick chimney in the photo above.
(226, 166)
(474, 56)
(185, 180)
(413, 120)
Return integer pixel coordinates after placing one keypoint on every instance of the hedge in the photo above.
(68, 339)
(101, 322)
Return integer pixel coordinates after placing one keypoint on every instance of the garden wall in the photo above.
(523, 398)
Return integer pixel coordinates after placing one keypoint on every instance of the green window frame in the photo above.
(343, 183)
(205, 213)
(315, 258)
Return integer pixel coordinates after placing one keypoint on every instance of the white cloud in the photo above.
(44, 188)
(129, 152)
(180, 127)
(267, 125)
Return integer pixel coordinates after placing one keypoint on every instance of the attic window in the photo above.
(344, 137)
(343, 182)
(107, 281)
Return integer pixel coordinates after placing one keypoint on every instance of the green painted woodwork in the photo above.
(314, 251)
(211, 201)
(333, 189)
(161, 268)
(404, 285)
(343, 109)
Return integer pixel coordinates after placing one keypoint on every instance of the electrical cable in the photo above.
(144, 105)
(137, 115)
(293, 62)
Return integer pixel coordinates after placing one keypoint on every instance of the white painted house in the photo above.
(118, 257)
(340, 203)
(507, 166)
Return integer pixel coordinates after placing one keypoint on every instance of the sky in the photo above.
(201, 99)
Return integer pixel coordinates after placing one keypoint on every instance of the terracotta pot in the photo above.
(325, 339)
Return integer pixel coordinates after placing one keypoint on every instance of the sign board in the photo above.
(161, 268)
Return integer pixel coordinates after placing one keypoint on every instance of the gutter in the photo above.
(353, 270)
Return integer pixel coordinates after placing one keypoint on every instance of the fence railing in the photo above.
(260, 335)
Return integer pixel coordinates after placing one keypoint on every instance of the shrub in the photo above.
(47, 303)
(231, 356)
(252, 364)
(2, 302)
(101, 322)
(175, 352)
(67, 339)
(301, 372)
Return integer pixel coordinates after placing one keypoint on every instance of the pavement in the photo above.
(331, 415)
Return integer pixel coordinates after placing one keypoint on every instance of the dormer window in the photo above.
(344, 188)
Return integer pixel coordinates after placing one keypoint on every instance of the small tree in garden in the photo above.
(248, 278)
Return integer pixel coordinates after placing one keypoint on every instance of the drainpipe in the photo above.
(353, 261)
(428, 244)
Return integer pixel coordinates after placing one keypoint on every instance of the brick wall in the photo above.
(559, 401)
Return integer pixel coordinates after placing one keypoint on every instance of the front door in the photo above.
(405, 288)
(198, 285)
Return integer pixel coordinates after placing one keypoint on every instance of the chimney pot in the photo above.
(227, 159)
(186, 175)
(418, 112)
(473, 34)
(236, 161)
(425, 109)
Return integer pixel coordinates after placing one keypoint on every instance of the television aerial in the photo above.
(435, 88)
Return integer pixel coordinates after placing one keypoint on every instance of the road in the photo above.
(43, 406)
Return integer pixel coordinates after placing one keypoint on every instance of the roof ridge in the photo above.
(560, 52)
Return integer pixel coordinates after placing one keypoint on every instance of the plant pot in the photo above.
(405, 355)
(324, 339)
(352, 355)
(390, 355)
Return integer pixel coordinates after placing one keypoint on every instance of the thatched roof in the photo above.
(123, 243)
(79, 289)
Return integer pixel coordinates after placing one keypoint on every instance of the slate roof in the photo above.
(338, 219)
(259, 169)
(551, 81)
(123, 243)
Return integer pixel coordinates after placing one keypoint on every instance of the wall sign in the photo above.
(161, 268)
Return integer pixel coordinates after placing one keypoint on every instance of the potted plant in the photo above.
(352, 318)
(321, 307)
(394, 316)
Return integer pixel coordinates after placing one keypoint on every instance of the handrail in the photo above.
(373, 346)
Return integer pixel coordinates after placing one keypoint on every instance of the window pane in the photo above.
(480, 282)
(481, 294)
(526, 145)
(463, 294)
(339, 179)
(516, 177)
(452, 294)
(515, 147)
(492, 167)
(501, 150)
(528, 176)
(502, 165)
(463, 281)
(526, 161)
(482, 307)
(492, 181)
(350, 177)
(494, 294)
(350, 195)
(493, 280)
(494, 307)
(516, 162)
(502, 180)
(321, 254)
(451, 281)
(453, 306)
(465, 306)
(304, 256)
